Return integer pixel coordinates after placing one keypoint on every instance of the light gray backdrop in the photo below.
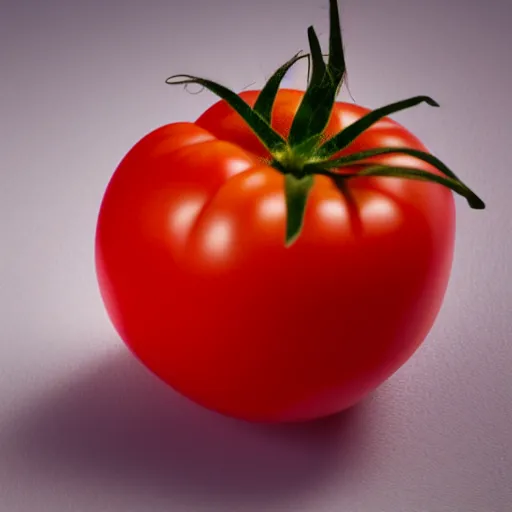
(83, 427)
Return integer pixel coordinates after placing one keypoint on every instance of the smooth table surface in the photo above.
(83, 426)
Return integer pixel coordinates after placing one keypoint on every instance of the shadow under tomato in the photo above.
(120, 424)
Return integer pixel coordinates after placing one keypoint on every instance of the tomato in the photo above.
(282, 256)
(198, 283)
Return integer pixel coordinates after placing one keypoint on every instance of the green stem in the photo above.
(306, 153)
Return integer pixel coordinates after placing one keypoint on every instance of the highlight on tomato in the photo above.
(282, 256)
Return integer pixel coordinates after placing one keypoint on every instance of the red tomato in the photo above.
(199, 284)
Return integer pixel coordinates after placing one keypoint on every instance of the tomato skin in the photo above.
(196, 279)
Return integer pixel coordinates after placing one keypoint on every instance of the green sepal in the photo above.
(308, 146)
(307, 153)
(336, 63)
(410, 173)
(260, 127)
(347, 135)
(318, 67)
(324, 85)
(267, 96)
(296, 192)
(356, 158)
(309, 66)
(316, 106)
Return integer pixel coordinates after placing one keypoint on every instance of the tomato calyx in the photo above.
(306, 152)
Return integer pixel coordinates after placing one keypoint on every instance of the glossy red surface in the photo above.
(197, 281)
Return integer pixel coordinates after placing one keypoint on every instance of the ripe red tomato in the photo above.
(282, 256)
(198, 283)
